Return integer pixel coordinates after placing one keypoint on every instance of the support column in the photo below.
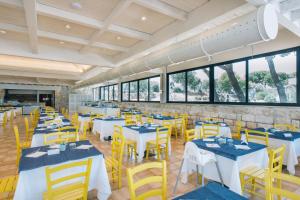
(163, 85)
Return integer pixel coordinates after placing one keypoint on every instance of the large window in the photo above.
(154, 89)
(230, 82)
(102, 93)
(263, 79)
(198, 85)
(125, 91)
(111, 93)
(95, 94)
(272, 79)
(146, 90)
(107, 93)
(177, 86)
(116, 92)
(143, 90)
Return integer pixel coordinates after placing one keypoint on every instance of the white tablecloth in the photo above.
(105, 111)
(105, 127)
(37, 140)
(141, 140)
(32, 183)
(223, 130)
(230, 169)
(82, 121)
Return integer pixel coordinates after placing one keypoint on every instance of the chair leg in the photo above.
(147, 151)
(135, 151)
(158, 153)
(120, 178)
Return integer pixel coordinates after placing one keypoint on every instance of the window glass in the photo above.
(230, 82)
(111, 92)
(177, 87)
(272, 79)
(102, 93)
(106, 93)
(143, 90)
(198, 85)
(125, 91)
(116, 93)
(154, 89)
(133, 90)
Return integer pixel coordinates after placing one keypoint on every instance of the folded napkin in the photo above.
(243, 147)
(36, 154)
(212, 145)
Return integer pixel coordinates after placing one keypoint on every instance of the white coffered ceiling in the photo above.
(80, 39)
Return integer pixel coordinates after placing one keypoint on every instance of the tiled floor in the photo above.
(8, 163)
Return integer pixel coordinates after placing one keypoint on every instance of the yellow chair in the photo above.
(273, 187)
(65, 128)
(189, 134)
(128, 116)
(131, 145)
(139, 119)
(12, 117)
(129, 122)
(285, 127)
(8, 185)
(78, 182)
(178, 126)
(254, 176)
(114, 162)
(83, 136)
(59, 137)
(169, 123)
(257, 136)
(158, 179)
(20, 145)
(185, 117)
(160, 144)
(4, 122)
(28, 131)
(209, 130)
(238, 128)
(150, 120)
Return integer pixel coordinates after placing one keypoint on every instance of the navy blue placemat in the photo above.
(228, 151)
(199, 123)
(211, 191)
(276, 134)
(51, 130)
(110, 119)
(144, 129)
(160, 117)
(64, 156)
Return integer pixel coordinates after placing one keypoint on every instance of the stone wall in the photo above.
(251, 116)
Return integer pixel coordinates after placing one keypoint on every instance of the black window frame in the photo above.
(246, 59)
(107, 86)
(138, 90)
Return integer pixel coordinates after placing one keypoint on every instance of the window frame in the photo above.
(108, 86)
(246, 59)
(138, 90)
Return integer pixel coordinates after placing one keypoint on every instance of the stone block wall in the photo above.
(251, 116)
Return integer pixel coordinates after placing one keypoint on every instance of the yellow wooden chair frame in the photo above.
(273, 182)
(8, 185)
(4, 122)
(131, 145)
(209, 130)
(238, 129)
(158, 179)
(150, 120)
(114, 162)
(128, 116)
(12, 117)
(59, 137)
(129, 122)
(28, 131)
(253, 176)
(161, 143)
(178, 127)
(75, 190)
(255, 136)
(19, 145)
(285, 127)
(139, 119)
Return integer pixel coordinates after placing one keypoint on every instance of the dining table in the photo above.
(224, 129)
(32, 182)
(105, 126)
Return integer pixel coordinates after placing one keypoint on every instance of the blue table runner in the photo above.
(110, 119)
(199, 123)
(211, 191)
(64, 156)
(276, 134)
(144, 129)
(228, 151)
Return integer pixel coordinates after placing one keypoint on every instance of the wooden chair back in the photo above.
(257, 136)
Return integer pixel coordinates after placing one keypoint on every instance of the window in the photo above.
(116, 92)
(230, 82)
(177, 86)
(143, 90)
(154, 89)
(198, 85)
(102, 93)
(105, 93)
(133, 86)
(95, 94)
(111, 93)
(272, 79)
(125, 91)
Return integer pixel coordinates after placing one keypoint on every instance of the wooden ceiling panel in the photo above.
(97, 9)
(12, 16)
(102, 51)
(10, 35)
(186, 5)
(61, 44)
(132, 18)
(115, 39)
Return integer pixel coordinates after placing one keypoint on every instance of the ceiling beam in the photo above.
(295, 15)
(289, 5)
(31, 21)
(12, 3)
(60, 37)
(90, 22)
(108, 21)
(163, 8)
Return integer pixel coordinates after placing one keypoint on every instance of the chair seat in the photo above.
(71, 191)
(254, 172)
(8, 184)
(25, 145)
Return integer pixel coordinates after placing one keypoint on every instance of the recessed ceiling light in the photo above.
(119, 38)
(3, 31)
(61, 42)
(143, 18)
(76, 5)
(67, 26)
